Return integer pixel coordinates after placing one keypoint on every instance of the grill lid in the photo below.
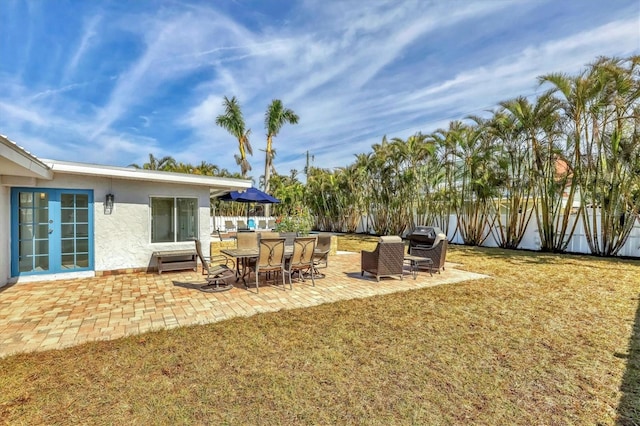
(425, 235)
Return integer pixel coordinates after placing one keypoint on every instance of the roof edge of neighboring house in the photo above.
(23, 158)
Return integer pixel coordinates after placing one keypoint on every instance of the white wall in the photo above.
(5, 235)
(122, 239)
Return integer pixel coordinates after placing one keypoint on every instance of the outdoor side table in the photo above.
(416, 261)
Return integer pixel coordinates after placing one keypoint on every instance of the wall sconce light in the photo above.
(108, 203)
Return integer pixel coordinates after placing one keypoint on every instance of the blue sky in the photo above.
(109, 82)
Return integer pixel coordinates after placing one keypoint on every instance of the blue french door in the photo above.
(51, 231)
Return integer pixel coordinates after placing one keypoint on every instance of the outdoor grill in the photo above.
(425, 236)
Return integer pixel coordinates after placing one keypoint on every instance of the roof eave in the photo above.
(226, 184)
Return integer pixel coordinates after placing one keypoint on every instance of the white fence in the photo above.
(530, 241)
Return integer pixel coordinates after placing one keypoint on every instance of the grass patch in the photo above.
(549, 339)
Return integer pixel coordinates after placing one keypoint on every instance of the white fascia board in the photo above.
(147, 175)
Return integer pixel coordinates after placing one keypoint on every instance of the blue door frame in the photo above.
(51, 231)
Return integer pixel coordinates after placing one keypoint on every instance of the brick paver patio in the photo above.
(56, 314)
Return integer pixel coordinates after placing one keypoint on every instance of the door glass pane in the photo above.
(82, 230)
(67, 215)
(41, 246)
(67, 246)
(41, 263)
(82, 215)
(82, 200)
(26, 247)
(42, 231)
(42, 215)
(68, 230)
(26, 199)
(26, 216)
(41, 200)
(162, 220)
(25, 231)
(25, 264)
(82, 260)
(67, 200)
(82, 245)
(68, 261)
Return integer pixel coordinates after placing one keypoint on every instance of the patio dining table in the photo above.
(242, 255)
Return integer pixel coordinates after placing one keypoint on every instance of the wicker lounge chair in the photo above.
(387, 260)
(437, 253)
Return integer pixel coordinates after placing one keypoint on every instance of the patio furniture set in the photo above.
(266, 253)
(427, 250)
(274, 254)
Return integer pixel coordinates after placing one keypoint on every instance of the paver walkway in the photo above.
(56, 314)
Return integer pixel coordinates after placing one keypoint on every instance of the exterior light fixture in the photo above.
(108, 203)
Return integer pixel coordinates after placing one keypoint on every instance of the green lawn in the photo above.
(549, 339)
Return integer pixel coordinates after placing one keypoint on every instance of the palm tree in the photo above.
(575, 96)
(275, 117)
(233, 122)
(166, 163)
(608, 175)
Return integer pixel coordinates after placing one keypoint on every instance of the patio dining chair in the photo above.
(271, 224)
(321, 253)
(262, 224)
(270, 259)
(268, 234)
(387, 260)
(247, 240)
(241, 224)
(302, 259)
(289, 237)
(219, 270)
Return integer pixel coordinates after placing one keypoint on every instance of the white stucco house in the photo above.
(61, 219)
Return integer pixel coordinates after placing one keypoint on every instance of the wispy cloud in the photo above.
(152, 79)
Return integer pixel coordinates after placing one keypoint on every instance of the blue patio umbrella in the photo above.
(251, 195)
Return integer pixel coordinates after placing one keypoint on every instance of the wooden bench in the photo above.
(175, 260)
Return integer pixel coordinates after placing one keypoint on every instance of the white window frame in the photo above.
(175, 223)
